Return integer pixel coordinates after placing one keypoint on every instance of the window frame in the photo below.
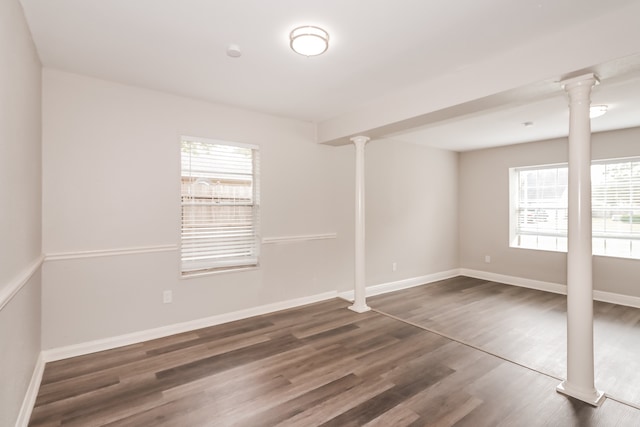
(559, 237)
(599, 238)
(632, 210)
(219, 264)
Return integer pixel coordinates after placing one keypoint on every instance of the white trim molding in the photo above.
(32, 393)
(619, 299)
(556, 288)
(9, 291)
(384, 288)
(61, 256)
(539, 285)
(298, 238)
(54, 354)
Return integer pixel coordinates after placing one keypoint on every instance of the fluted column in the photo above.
(580, 364)
(360, 298)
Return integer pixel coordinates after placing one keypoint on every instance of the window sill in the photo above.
(564, 252)
(217, 272)
(538, 249)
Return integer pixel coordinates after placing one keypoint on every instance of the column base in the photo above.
(359, 308)
(593, 398)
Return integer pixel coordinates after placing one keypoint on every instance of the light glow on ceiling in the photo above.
(598, 110)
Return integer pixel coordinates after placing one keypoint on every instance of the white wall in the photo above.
(484, 213)
(111, 182)
(20, 209)
(411, 211)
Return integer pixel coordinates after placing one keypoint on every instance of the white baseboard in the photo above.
(539, 285)
(384, 288)
(137, 337)
(557, 288)
(150, 334)
(32, 393)
(619, 299)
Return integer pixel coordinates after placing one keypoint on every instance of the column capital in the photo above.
(585, 80)
(360, 140)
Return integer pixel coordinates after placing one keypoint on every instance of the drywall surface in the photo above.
(411, 211)
(484, 213)
(20, 209)
(112, 184)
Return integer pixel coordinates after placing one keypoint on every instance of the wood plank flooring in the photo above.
(525, 326)
(318, 365)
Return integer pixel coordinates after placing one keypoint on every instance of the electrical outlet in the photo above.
(394, 266)
(487, 259)
(167, 297)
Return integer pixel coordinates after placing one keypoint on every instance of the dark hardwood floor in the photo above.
(525, 326)
(316, 365)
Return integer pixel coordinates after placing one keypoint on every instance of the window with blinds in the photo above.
(539, 207)
(615, 204)
(220, 205)
(539, 203)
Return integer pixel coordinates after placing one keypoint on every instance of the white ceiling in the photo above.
(377, 47)
(550, 118)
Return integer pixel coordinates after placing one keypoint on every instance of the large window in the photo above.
(616, 207)
(539, 207)
(220, 206)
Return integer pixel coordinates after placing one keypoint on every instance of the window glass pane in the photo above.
(549, 243)
(617, 247)
(562, 244)
(219, 206)
(635, 249)
(539, 207)
(528, 241)
(615, 202)
(598, 246)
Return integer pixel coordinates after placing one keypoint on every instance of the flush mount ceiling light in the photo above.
(309, 40)
(597, 111)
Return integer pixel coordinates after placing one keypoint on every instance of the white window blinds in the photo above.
(220, 205)
(615, 203)
(539, 207)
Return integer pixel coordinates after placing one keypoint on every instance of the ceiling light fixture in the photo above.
(597, 111)
(309, 40)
